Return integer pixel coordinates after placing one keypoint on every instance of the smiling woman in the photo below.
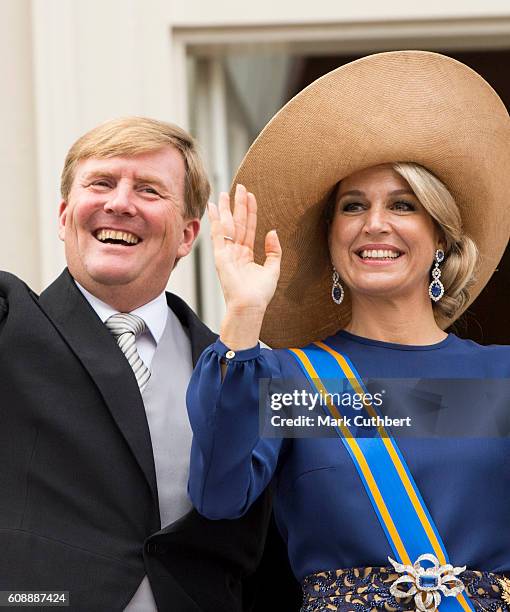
(383, 193)
(410, 201)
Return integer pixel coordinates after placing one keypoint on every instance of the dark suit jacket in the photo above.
(78, 497)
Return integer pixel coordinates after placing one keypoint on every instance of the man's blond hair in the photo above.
(135, 135)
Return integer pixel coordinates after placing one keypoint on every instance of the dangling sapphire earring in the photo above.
(337, 291)
(436, 289)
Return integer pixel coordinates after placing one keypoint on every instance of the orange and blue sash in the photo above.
(399, 506)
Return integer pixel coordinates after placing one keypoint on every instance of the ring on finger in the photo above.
(228, 238)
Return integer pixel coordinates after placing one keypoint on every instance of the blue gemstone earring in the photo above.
(337, 291)
(436, 289)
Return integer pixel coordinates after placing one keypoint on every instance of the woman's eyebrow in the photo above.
(402, 192)
(355, 192)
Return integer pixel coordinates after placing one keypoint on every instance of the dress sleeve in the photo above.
(230, 463)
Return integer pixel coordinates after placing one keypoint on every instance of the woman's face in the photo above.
(382, 241)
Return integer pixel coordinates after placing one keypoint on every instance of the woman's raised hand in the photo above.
(247, 286)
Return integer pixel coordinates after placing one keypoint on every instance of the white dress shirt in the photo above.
(154, 313)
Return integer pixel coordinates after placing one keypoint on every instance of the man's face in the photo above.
(124, 225)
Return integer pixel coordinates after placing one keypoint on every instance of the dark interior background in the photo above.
(486, 321)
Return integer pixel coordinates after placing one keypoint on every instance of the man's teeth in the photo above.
(379, 254)
(105, 234)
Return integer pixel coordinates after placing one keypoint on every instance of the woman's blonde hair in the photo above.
(133, 136)
(461, 253)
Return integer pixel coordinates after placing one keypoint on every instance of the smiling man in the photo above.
(125, 222)
(95, 439)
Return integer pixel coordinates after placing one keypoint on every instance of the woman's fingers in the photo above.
(251, 220)
(273, 252)
(243, 281)
(226, 219)
(240, 212)
(212, 212)
(216, 226)
(241, 226)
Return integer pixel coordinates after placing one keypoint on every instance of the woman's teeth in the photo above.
(379, 254)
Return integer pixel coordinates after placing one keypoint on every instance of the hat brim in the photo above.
(411, 106)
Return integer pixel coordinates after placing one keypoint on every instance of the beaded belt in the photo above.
(367, 589)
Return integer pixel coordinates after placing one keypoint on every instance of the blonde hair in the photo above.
(135, 135)
(461, 253)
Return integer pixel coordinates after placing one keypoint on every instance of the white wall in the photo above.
(19, 247)
(235, 12)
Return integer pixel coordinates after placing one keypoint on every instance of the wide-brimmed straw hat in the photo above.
(413, 106)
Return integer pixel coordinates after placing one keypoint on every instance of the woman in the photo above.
(379, 257)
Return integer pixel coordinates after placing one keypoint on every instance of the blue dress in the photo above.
(321, 507)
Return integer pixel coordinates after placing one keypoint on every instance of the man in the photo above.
(95, 441)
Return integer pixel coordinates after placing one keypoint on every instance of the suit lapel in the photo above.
(97, 350)
(199, 334)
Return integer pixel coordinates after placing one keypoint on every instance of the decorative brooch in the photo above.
(505, 585)
(427, 583)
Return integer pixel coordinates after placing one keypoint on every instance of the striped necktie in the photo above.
(125, 328)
